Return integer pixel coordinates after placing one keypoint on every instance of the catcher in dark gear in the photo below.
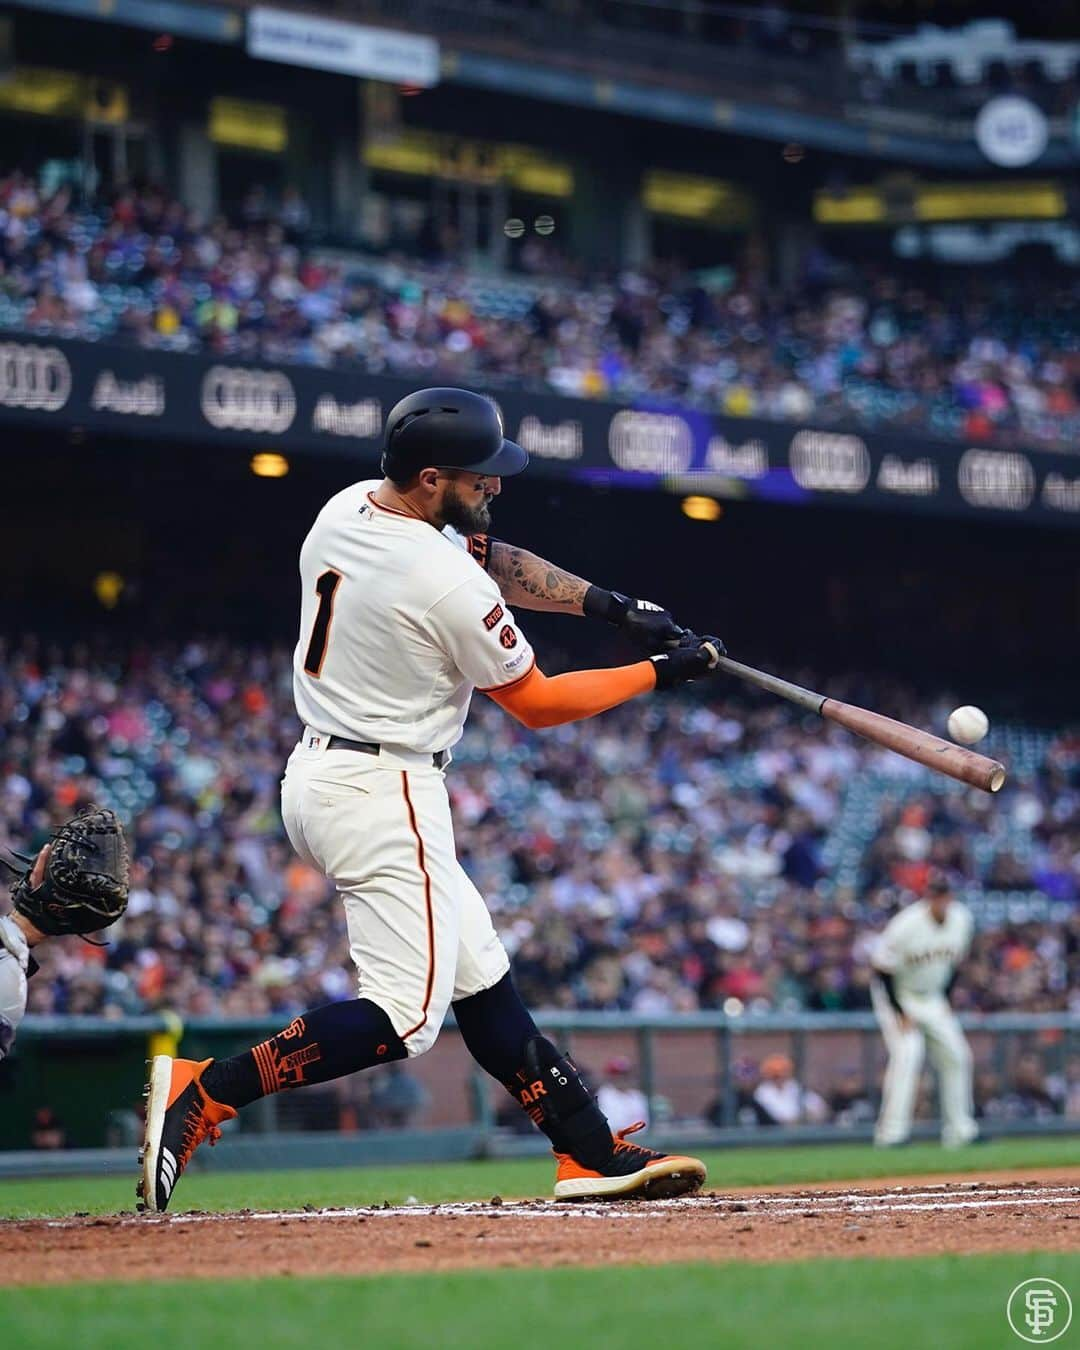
(78, 883)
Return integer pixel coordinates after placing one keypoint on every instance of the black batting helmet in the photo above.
(448, 429)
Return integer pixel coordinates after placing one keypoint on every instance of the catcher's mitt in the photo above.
(85, 884)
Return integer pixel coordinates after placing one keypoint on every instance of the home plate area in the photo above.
(917, 1218)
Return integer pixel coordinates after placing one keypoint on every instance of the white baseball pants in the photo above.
(935, 1027)
(379, 827)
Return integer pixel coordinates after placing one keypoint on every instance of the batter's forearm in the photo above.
(537, 701)
(529, 582)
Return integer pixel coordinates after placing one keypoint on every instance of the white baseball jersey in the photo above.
(398, 625)
(920, 953)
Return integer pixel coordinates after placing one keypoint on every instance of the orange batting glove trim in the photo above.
(537, 701)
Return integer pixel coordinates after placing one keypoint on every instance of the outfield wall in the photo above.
(90, 1071)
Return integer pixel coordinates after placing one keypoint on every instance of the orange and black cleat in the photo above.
(632, 1172)
(179, 1116)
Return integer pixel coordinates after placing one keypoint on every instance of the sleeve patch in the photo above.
(493, 617)
(508, 637)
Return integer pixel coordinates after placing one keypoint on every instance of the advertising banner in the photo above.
(138, 393)
(347, 48)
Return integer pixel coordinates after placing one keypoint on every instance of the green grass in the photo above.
(439, 1182)
(949, 1303)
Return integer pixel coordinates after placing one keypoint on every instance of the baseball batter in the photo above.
(406, 610)
(915, 962)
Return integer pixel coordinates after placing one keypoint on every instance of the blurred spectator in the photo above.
(397, 1098)
(1026, 1098)
(48, 1130)
(745, 1078)
(635, 862)
(782, 1100)
(1064, 1088)
(969, 355)
(986, 1093)
(849, 1102)
(621, 1100)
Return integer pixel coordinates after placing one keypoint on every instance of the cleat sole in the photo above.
(659, 1181)
(157, 1100)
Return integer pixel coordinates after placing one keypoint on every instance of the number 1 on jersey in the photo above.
(325, 589)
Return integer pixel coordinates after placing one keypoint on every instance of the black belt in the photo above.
(439, 758)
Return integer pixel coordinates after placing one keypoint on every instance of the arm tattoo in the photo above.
(529, 582)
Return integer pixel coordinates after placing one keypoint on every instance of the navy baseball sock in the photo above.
(325, 1043)
(502, 1037)
(496, 1027)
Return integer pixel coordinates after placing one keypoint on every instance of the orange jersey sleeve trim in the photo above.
(537, 701)
(494, 689)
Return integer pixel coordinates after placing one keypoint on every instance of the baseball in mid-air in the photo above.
(968, 725)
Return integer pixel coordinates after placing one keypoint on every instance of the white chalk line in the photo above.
(864, 1203)
(858, 1208)
(951, 1196)
(893, 1192)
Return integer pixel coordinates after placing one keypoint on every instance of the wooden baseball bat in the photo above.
(921, 746)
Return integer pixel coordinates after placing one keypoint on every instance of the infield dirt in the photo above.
(998, 1212)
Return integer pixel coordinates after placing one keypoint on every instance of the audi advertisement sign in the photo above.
(129, 392)
(34, 377)
(233, 398)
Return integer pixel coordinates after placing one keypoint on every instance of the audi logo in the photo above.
(33, 377)
(825, 461)
(994, 478)
(647, 442)
(234, 399)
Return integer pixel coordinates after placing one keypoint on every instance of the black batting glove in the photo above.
(648, 626)
(688, 661)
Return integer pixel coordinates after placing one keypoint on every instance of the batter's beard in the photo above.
(464, 518)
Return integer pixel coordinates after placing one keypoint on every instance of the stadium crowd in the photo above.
(672, 855)
(852, 346)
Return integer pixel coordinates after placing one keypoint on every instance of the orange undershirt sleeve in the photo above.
(539, 701)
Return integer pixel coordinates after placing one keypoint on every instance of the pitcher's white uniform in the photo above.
(398, 624)
(921, 955)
